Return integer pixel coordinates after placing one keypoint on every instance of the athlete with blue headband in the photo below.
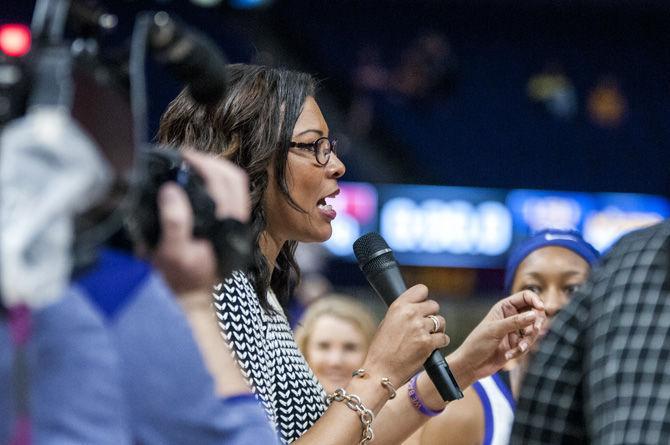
(553, 264)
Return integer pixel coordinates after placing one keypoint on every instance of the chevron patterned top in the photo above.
(263, 346)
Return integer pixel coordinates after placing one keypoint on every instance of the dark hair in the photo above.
(252, 127)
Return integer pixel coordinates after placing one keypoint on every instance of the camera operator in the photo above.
(64, 365)
(168, 365)
(118, 357)
(188, 264)
(107, 354)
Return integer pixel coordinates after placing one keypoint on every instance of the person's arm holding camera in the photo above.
(188, 264)
(230, 413)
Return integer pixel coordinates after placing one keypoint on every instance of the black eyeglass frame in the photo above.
(314, 148)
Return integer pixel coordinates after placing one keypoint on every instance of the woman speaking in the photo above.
(271, 125)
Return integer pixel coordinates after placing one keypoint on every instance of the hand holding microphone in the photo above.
(376, 260)
(406, 336)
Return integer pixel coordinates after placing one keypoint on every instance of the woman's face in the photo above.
(554, 274)
(310, 185)
(334, 350)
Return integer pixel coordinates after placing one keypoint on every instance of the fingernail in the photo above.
(529, 316)
(509, 355)
(523, 346)
(538, 324)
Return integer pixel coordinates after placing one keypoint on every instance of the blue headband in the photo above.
(568, 239)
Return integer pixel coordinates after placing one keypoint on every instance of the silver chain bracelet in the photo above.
(354, 402)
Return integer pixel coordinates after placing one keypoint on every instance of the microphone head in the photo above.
(191, 56)
(373, 253)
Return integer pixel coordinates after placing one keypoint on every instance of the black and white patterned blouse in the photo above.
(263, 346)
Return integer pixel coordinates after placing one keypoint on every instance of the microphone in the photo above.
(376, 260)
(192, 57)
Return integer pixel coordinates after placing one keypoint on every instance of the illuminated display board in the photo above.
(447, 226)
(474, 227)
(601, 217)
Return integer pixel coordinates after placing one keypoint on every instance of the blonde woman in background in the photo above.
(334, 335)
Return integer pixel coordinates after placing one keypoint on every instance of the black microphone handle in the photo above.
(389, 285)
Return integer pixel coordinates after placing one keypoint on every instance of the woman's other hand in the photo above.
(507, 332)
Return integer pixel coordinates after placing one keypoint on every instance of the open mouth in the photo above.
(325, 208)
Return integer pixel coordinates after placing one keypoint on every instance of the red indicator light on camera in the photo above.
(14, 40)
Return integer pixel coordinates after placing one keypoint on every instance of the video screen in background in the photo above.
(477, 227)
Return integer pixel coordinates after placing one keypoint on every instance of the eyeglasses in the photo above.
(322, 148)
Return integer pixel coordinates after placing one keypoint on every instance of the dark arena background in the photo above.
(464, 125)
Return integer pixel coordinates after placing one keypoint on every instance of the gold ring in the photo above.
(436, 323)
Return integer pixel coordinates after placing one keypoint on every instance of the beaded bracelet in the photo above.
(416, 400)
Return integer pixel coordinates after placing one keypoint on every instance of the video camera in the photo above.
(230, 238)
(65, 71)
